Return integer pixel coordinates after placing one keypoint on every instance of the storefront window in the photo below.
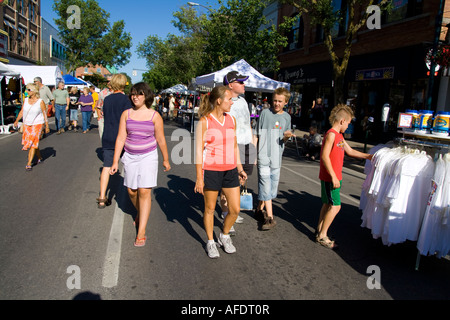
(418, 93)
(295, 36)
(402, 9)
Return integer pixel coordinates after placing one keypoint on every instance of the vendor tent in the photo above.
(70, 80)
(255, 82)
(178, 89)
(50, 75)
(5, 70)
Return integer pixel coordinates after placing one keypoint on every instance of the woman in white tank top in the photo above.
(34, 117)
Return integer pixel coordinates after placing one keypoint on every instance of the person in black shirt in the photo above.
(74, 95)
(113, 107)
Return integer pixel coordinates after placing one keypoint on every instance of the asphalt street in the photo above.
(55, 244)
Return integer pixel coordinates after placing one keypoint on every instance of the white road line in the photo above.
(318, 183)
(113, 251)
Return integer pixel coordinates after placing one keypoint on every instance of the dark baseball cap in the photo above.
(233, 76)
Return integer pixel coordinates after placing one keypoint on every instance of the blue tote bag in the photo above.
(246, 199)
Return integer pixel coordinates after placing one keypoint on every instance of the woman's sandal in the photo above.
(28, 168)
(327, 243)
(103, 202)
(140, 242)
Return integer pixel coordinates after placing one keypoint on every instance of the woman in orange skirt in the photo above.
(34, 117)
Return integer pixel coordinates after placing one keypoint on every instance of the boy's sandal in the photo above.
(327, 243)
(140, 242)
(103, 202)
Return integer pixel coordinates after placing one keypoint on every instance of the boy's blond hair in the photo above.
(118, 82)
(339, 112)
(283, 92)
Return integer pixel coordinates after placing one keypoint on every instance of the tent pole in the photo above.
(193, 113)
(1, 99)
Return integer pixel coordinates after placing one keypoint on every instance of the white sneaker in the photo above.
(232, 231)
(227, 244)
(239, 219)
(211, 248)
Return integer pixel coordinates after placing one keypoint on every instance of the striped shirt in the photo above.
(140, 136)
(219, 153)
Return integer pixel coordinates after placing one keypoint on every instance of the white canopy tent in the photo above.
(5, 70)
(256, 81)
(178, 89)
(50, 75)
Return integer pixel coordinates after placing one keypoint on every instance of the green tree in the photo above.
(350, 18)
(176, 59)
(236, 31)
(212, 41)
(96, 41)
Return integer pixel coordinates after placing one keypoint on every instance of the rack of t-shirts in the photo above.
(398, 190)
(434, 237)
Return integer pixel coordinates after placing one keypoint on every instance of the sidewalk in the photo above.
(351, 163)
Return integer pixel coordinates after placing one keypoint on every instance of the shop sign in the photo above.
(375, 74)
(295, 76)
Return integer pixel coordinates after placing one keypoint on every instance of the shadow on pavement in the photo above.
(180, 203)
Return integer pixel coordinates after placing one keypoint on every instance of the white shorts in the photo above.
(140, 170)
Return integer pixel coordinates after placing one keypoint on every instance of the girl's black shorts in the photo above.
(216, 180)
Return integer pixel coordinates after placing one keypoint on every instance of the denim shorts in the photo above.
(268, 179)
(108, 157)
(73, 115)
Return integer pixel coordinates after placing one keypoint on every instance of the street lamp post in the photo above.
(195, 4)
(437, 32)
(134, 72)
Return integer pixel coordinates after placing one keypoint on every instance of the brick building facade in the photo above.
(21, 22)
(387, 65)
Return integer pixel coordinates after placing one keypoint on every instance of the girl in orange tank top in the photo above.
(218, 165)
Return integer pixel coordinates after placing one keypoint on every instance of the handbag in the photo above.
(23, 122)
(246, 198)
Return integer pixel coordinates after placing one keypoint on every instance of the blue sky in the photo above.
(142, 18)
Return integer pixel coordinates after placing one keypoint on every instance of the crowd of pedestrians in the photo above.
(131, 129)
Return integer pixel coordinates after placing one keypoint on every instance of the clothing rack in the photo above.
(438, 148)
(422, 143)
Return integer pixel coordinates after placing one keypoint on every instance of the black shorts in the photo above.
(108, 157)
(216, 180)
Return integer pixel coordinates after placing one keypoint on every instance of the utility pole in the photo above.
(437, 33)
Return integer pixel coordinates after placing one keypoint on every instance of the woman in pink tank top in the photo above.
(218, 164)
(141, 129)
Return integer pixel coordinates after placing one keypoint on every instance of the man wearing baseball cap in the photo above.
(239, 110)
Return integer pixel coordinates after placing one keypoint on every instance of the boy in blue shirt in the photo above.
(274, 129)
